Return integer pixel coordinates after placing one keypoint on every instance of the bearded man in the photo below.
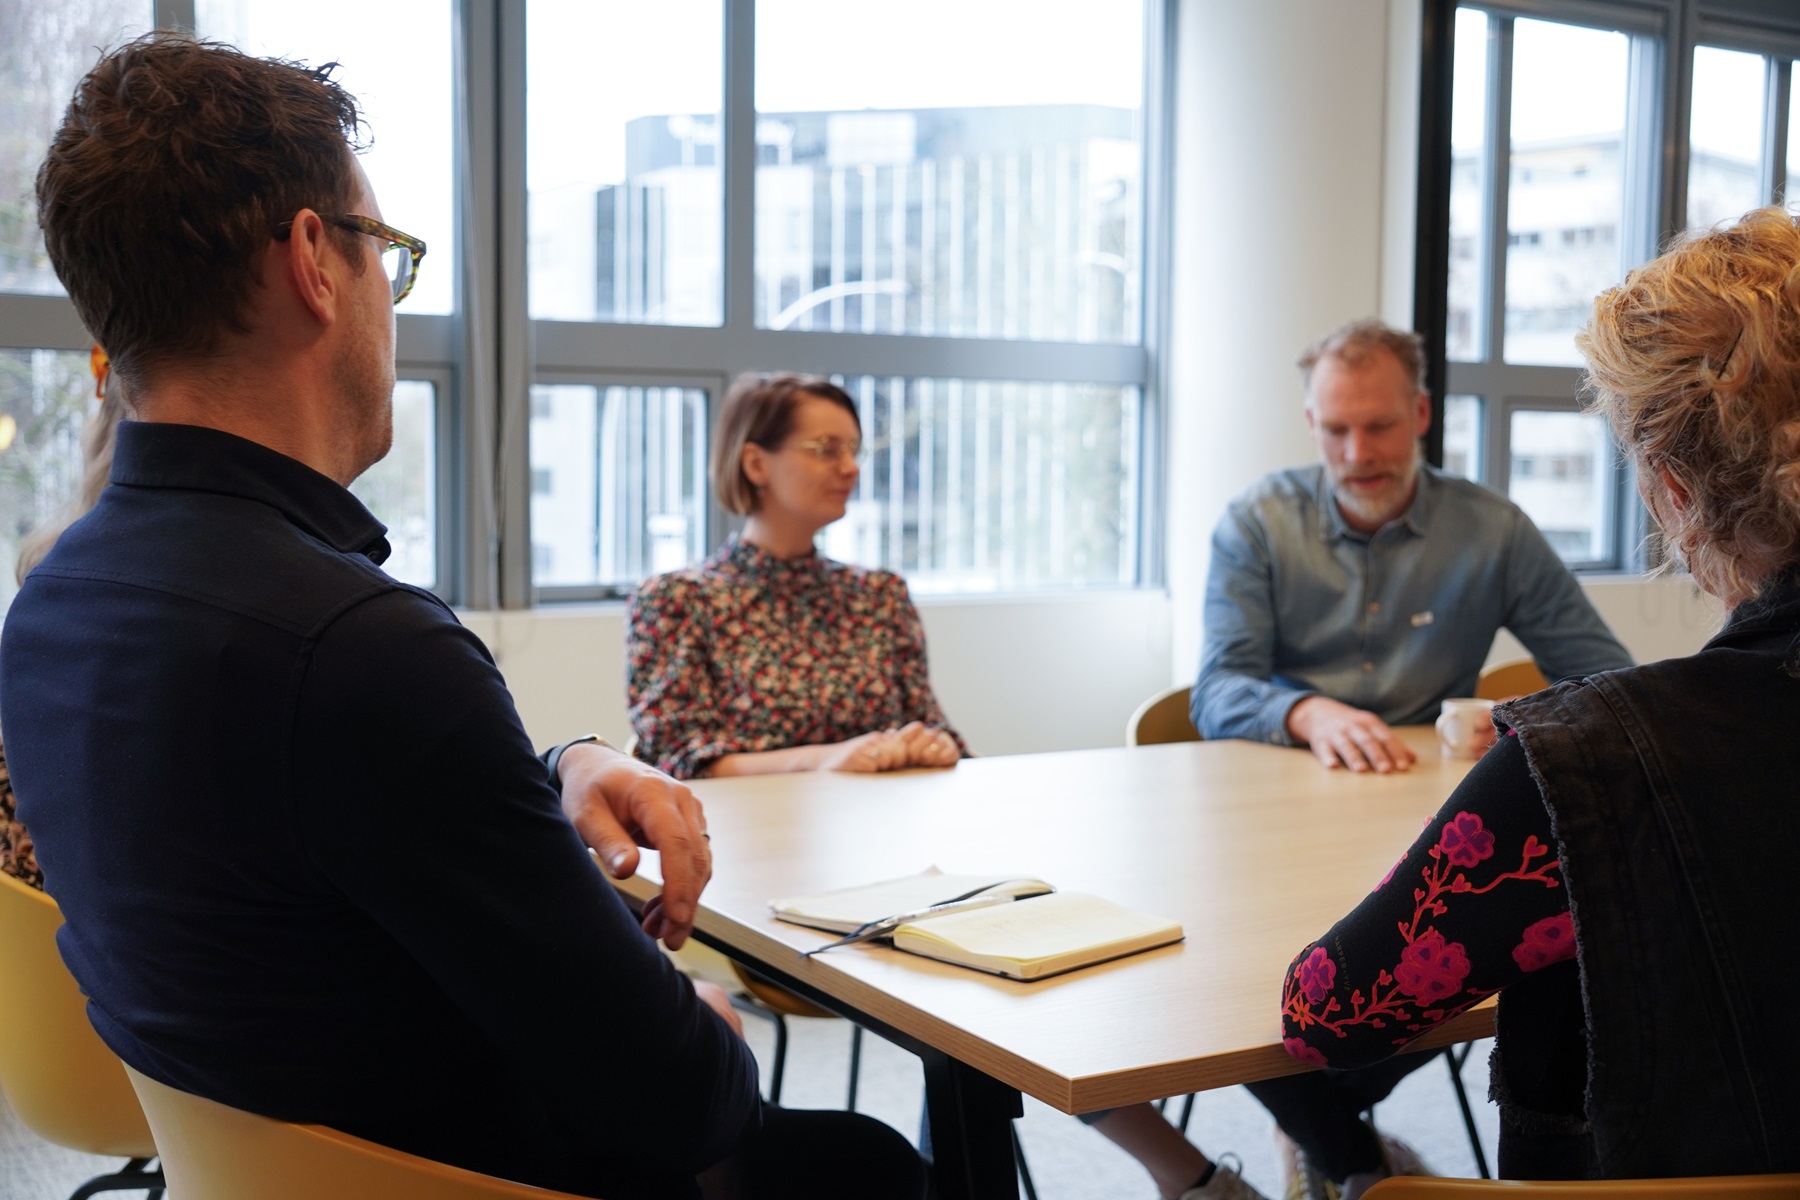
(1353, 595)
(1356, 594)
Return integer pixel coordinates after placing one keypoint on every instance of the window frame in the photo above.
(1655, 154)
(569, 350)
(485, 356)
(710, 386)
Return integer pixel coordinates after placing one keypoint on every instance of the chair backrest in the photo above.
(61, 1079)
(211, 1151)
(1503, 681)
(1162, 718)
(1733, 1187)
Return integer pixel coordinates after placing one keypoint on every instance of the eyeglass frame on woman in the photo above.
(395, 239)
(833, 449)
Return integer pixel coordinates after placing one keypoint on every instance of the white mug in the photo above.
(1465, 728)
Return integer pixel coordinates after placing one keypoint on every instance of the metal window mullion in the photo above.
(579, 346)
(1497, 165)
(1780, 94)
(1155, 255)
(739, 146)
(476, 582)
(510, 298)
(1677, 116)
(1625, 16)
(1645, 165)
(173, 14)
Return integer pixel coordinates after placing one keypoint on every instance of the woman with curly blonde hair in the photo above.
(1618, 867)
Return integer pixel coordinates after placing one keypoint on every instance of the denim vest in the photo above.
(1674, 789)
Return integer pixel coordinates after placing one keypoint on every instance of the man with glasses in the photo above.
(309, 862)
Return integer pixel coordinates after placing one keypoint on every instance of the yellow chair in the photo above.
(1734, 1187)
(1162, 718)
(61, 1079)
(1503, 681)
(214, 1152)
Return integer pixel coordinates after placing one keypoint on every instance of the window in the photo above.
(46, 52)
(628, 205)
(1559, 183)
(624, 161)
(976, 485)
(618, 482)
(1725, 144)
(961, 248)
(46, 397)
(402, 489)
(995, 195)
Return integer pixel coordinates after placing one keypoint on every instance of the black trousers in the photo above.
(1322, 1111)
(819, 1154)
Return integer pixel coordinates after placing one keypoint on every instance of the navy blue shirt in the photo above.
(309, 862)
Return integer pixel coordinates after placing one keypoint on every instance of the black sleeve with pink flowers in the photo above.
(1476, 904)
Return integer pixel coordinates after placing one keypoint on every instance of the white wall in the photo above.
(1279, 117)
(1655, 618)
(1049, 673)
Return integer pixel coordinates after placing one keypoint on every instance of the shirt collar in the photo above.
(754, 563)
(1416, 519)
(155, 454)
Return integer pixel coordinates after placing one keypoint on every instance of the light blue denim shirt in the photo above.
(1298, 603)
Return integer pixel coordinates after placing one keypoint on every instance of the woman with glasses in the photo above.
(769, 657)
(1619, 866)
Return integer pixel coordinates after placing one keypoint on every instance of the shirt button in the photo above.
(1368, 666)
(1375, 606)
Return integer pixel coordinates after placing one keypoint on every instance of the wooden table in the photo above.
(1256, 850)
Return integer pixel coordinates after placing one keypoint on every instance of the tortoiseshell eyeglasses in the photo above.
(399, 257)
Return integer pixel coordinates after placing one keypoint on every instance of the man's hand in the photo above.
(716, 998)
(1344, 736)
(617, 804)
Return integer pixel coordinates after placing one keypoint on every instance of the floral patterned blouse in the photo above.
(18, 857)
(747, 652)
(1477, 904)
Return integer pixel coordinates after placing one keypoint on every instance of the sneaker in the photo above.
(1401, 1158)
(1226, 1184)
(1300, 1179)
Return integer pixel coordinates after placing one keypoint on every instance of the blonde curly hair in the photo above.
(1695, 362)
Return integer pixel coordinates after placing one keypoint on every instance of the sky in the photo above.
(1570, 81)
(595, 64)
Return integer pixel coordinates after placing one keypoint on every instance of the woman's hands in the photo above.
(913, 745)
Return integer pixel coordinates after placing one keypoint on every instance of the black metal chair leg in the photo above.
(135, 1176)
(745, 1005)
(1187, 1112)
(1455, 1063)
(781, 1043)
(1024, 1171)
(856, 1034)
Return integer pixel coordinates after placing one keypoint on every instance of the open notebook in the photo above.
(1033, 932)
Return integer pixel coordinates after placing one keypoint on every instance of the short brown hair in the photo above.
(174, 164)
(759, 409)
(1695, 362)
(1356, 340)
